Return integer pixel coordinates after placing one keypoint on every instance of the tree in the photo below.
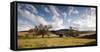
(42, 29)
(31, 30)
(73, 32)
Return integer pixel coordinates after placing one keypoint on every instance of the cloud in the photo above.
(47, 10)
(57, 22)
(65, 15)
(59, 19)
(87, 21)
(72, 11)
(54, 10)
(93, 11)
(75, 12)
(31, 17)
(24, 25)
(41, 20)
(32, 8)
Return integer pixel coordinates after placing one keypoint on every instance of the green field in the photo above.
(53, 42)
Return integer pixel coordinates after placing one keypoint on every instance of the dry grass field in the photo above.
(52, 42)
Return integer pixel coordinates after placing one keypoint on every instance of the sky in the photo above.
(59, 17)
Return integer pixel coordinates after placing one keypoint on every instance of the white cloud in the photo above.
(54, 10)
(69, 20)
(65, 15)
(23, 28)
(47, 10)
(41, 20)
(93, 11)
(84, 22)
(31, 17)
(24, 25)
(31, 7)
(57, 22)
(75, 12)
(72, 11)
(87, 21)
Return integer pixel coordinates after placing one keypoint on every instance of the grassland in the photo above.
(52, 42)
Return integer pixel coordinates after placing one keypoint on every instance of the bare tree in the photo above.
(73, 32)
(42, 29)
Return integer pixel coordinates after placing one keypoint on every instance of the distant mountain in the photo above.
(77, 33)
(68, 30)
(23, 31)
(64, 30)
(61, 31)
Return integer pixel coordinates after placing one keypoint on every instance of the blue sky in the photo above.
(59, 17)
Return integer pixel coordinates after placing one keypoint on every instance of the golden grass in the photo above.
(52, 42)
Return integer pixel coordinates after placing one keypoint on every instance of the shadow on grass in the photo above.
(90, 36)
(91, 43)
